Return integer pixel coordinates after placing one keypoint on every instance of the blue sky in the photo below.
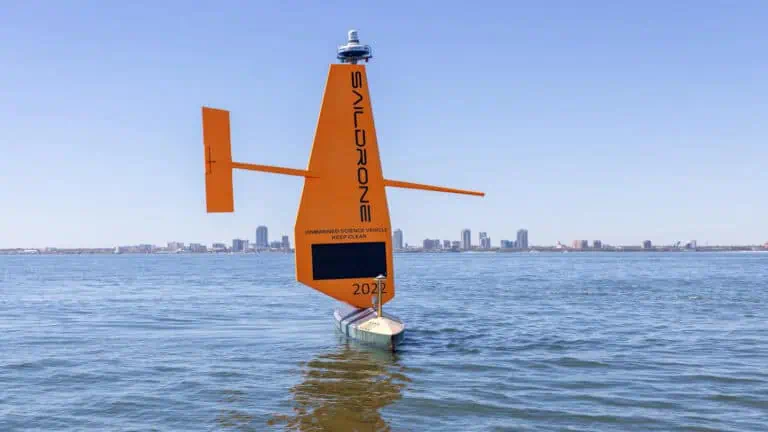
(599, 120)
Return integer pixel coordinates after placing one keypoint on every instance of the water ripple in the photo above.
(496, 342)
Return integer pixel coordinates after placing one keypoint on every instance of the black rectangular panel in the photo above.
(349, 260)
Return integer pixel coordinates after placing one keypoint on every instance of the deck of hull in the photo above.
(363, 325)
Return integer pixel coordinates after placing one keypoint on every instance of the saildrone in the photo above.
(343, 235)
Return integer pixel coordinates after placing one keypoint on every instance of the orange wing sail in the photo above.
(343, 232)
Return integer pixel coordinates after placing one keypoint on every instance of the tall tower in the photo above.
(522, 239)
(262, 240)
(466, 239)
(397, 239)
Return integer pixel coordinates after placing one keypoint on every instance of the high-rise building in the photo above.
(485, 241)
(522, 238)
(397, 239)
(597, 244)
(647, 244)
(466, 239)
(286, 243)
(239, 245)
(446, 244)
(262, 240)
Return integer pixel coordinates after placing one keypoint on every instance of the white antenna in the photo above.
(353, 51)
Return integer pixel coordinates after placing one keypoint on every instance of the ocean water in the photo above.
(495, 342)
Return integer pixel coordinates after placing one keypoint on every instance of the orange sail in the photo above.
(343, 233)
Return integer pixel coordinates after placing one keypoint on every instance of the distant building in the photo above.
(239, 245)
(456, 245)
(174, 246)
(276, 245)
(522, 239)
(581, 244)
(262, 240)
(597, 244)
(197, 248)
(429, 244)
(466, 239)
(286, 244)
(507, 244)
(691, 244)
(446, 244)
(145, 248)
(397, 239)
(485, 241)
(219, 247)
(647, 244)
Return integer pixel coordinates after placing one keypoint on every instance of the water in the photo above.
(496, 342)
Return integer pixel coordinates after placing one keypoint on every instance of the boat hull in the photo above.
(364, 326)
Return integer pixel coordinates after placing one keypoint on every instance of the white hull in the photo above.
(363, 325)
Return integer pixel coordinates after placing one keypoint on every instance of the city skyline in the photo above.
(631, 143)
(484, 241)
(429, 245)
(519, 241)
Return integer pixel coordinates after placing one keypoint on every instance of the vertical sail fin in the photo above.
(343, 233)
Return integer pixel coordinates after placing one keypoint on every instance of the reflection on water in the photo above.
(344, 390)
(232, 418)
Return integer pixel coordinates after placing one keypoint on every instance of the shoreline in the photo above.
(628, 249)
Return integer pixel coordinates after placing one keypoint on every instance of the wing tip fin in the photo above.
(217, 147)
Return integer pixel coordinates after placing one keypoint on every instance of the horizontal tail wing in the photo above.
(219, 197)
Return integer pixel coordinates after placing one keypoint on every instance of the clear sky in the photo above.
(619, 121)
